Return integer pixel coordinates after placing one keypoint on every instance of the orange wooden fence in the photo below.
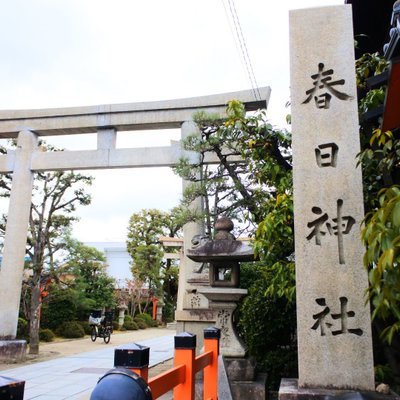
(180, 378)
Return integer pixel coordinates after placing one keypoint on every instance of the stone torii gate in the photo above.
(105, 121)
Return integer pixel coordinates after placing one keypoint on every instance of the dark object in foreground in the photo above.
(121, 384)
(11, 388)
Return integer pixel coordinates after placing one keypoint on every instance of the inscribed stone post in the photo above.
(334, 327)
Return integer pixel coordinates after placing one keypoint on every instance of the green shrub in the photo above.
(128, 318)
(168, 312)
(267, 323)
(144, 316)
(131, 326)
(61, 307)
(157, 323)
(140, 323)
(115, 325)
(86, 327)
(383, 373)
(147, 319)
(46, 335)
(71, 329)
(22, 329)
(116, 315)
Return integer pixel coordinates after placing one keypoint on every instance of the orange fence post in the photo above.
(185, 346)
(134, 357)
(211, 343)
(155, 300)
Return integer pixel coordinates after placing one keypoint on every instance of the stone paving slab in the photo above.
(74, 377)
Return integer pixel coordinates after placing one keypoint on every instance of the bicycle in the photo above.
(101, 332)
(101, 327)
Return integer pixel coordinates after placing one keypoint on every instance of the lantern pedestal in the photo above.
(223, 301)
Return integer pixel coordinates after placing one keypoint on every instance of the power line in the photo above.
(243, 47)
(235, 41)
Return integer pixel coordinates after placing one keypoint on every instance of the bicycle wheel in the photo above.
(107, 336)
(93, 334)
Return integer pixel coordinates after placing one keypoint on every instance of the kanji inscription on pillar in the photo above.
(334, 327)
(324, 88)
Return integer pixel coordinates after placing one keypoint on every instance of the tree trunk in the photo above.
(34, 324)
(167, 287)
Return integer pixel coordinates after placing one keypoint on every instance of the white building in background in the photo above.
(118, 259)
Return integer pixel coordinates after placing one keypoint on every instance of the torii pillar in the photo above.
(14, 247)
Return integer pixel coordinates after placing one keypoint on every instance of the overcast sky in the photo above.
(60, 53)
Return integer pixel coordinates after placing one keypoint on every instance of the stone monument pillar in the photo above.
(333, 322)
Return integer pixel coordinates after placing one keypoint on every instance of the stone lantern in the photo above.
(122, 307)
(223, 254)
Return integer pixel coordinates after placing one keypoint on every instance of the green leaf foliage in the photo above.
(254, 165)
(89, 267)
(144, 231)
(267, 323)
(71, 330)
(46, 335)
(380, 161)
(381, 235)
(252, 184)
(55, 198)
(147, 262)
(64, 304)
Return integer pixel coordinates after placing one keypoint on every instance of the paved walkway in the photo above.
(73, 377)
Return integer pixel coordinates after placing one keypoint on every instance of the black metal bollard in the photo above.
(212, 333)
(121, 384)
(132, 356)
(135, 357)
